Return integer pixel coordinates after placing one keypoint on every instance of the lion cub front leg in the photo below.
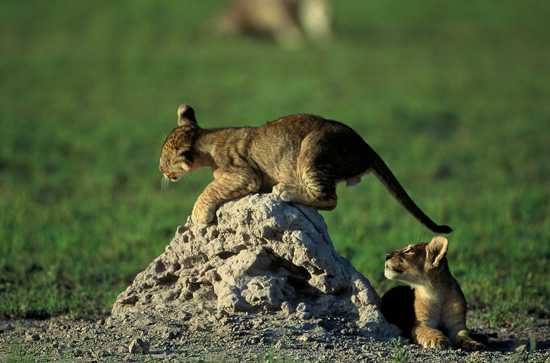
(429, 337)
(225, 186)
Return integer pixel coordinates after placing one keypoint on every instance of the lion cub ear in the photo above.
(436, 250)
(186, 116)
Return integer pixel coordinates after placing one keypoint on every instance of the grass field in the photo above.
(454, 97)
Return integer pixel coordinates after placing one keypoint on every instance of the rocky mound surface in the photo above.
(262, 259)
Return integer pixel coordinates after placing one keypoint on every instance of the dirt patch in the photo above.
(241, 339)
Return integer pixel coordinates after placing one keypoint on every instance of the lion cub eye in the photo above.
(186, 155)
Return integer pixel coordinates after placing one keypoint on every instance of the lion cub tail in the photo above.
(387, 178)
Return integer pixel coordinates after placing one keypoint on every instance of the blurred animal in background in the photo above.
(433, 311)
(300, 158)
(288, 22)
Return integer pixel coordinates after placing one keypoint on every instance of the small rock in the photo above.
(286, 309)
(32, 337)
(223, 321)
(4, 327)
(160, 356)
(138, 345)
(309, 326)
(521, 348)
(257, 324)
(302, 312)
(172, 333)
(221, 314)
(253, 340)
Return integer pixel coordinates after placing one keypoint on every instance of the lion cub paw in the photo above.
(435, 341)
(464, 341)
(283, 192)
(200, 216)
(471, 344)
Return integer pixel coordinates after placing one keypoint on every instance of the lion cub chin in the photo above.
(432, 311)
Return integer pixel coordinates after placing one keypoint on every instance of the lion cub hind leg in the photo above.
(307, 196)
(429, 337)
(313, 188)
(314, 184)
(318, 188)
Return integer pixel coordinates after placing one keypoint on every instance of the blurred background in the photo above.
(453, 95)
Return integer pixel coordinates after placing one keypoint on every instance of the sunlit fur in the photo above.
(286, 21)
(173, 162)
(300, 158)
(433, 314)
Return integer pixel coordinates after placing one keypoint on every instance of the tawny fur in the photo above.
(286, 21)
(299, 157)
(433, 312)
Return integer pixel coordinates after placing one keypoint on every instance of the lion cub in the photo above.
(300, 158)
(286, 21)
(433, 311)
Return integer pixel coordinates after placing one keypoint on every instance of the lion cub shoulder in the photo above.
(432, 311)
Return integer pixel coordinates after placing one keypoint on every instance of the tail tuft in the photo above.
(442, 229)
(383, 172)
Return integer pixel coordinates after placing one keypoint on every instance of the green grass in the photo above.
(453, 96)
(16, 353)
(400, 353)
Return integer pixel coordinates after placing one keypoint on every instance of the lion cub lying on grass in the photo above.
(433, 311)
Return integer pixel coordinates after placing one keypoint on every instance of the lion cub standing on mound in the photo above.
(300, 158)
(433, 311)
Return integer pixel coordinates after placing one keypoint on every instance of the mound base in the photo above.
(265, 264)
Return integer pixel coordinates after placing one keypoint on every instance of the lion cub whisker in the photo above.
(164, 183)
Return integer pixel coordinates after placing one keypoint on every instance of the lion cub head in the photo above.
(418, 264)
(176, 157)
